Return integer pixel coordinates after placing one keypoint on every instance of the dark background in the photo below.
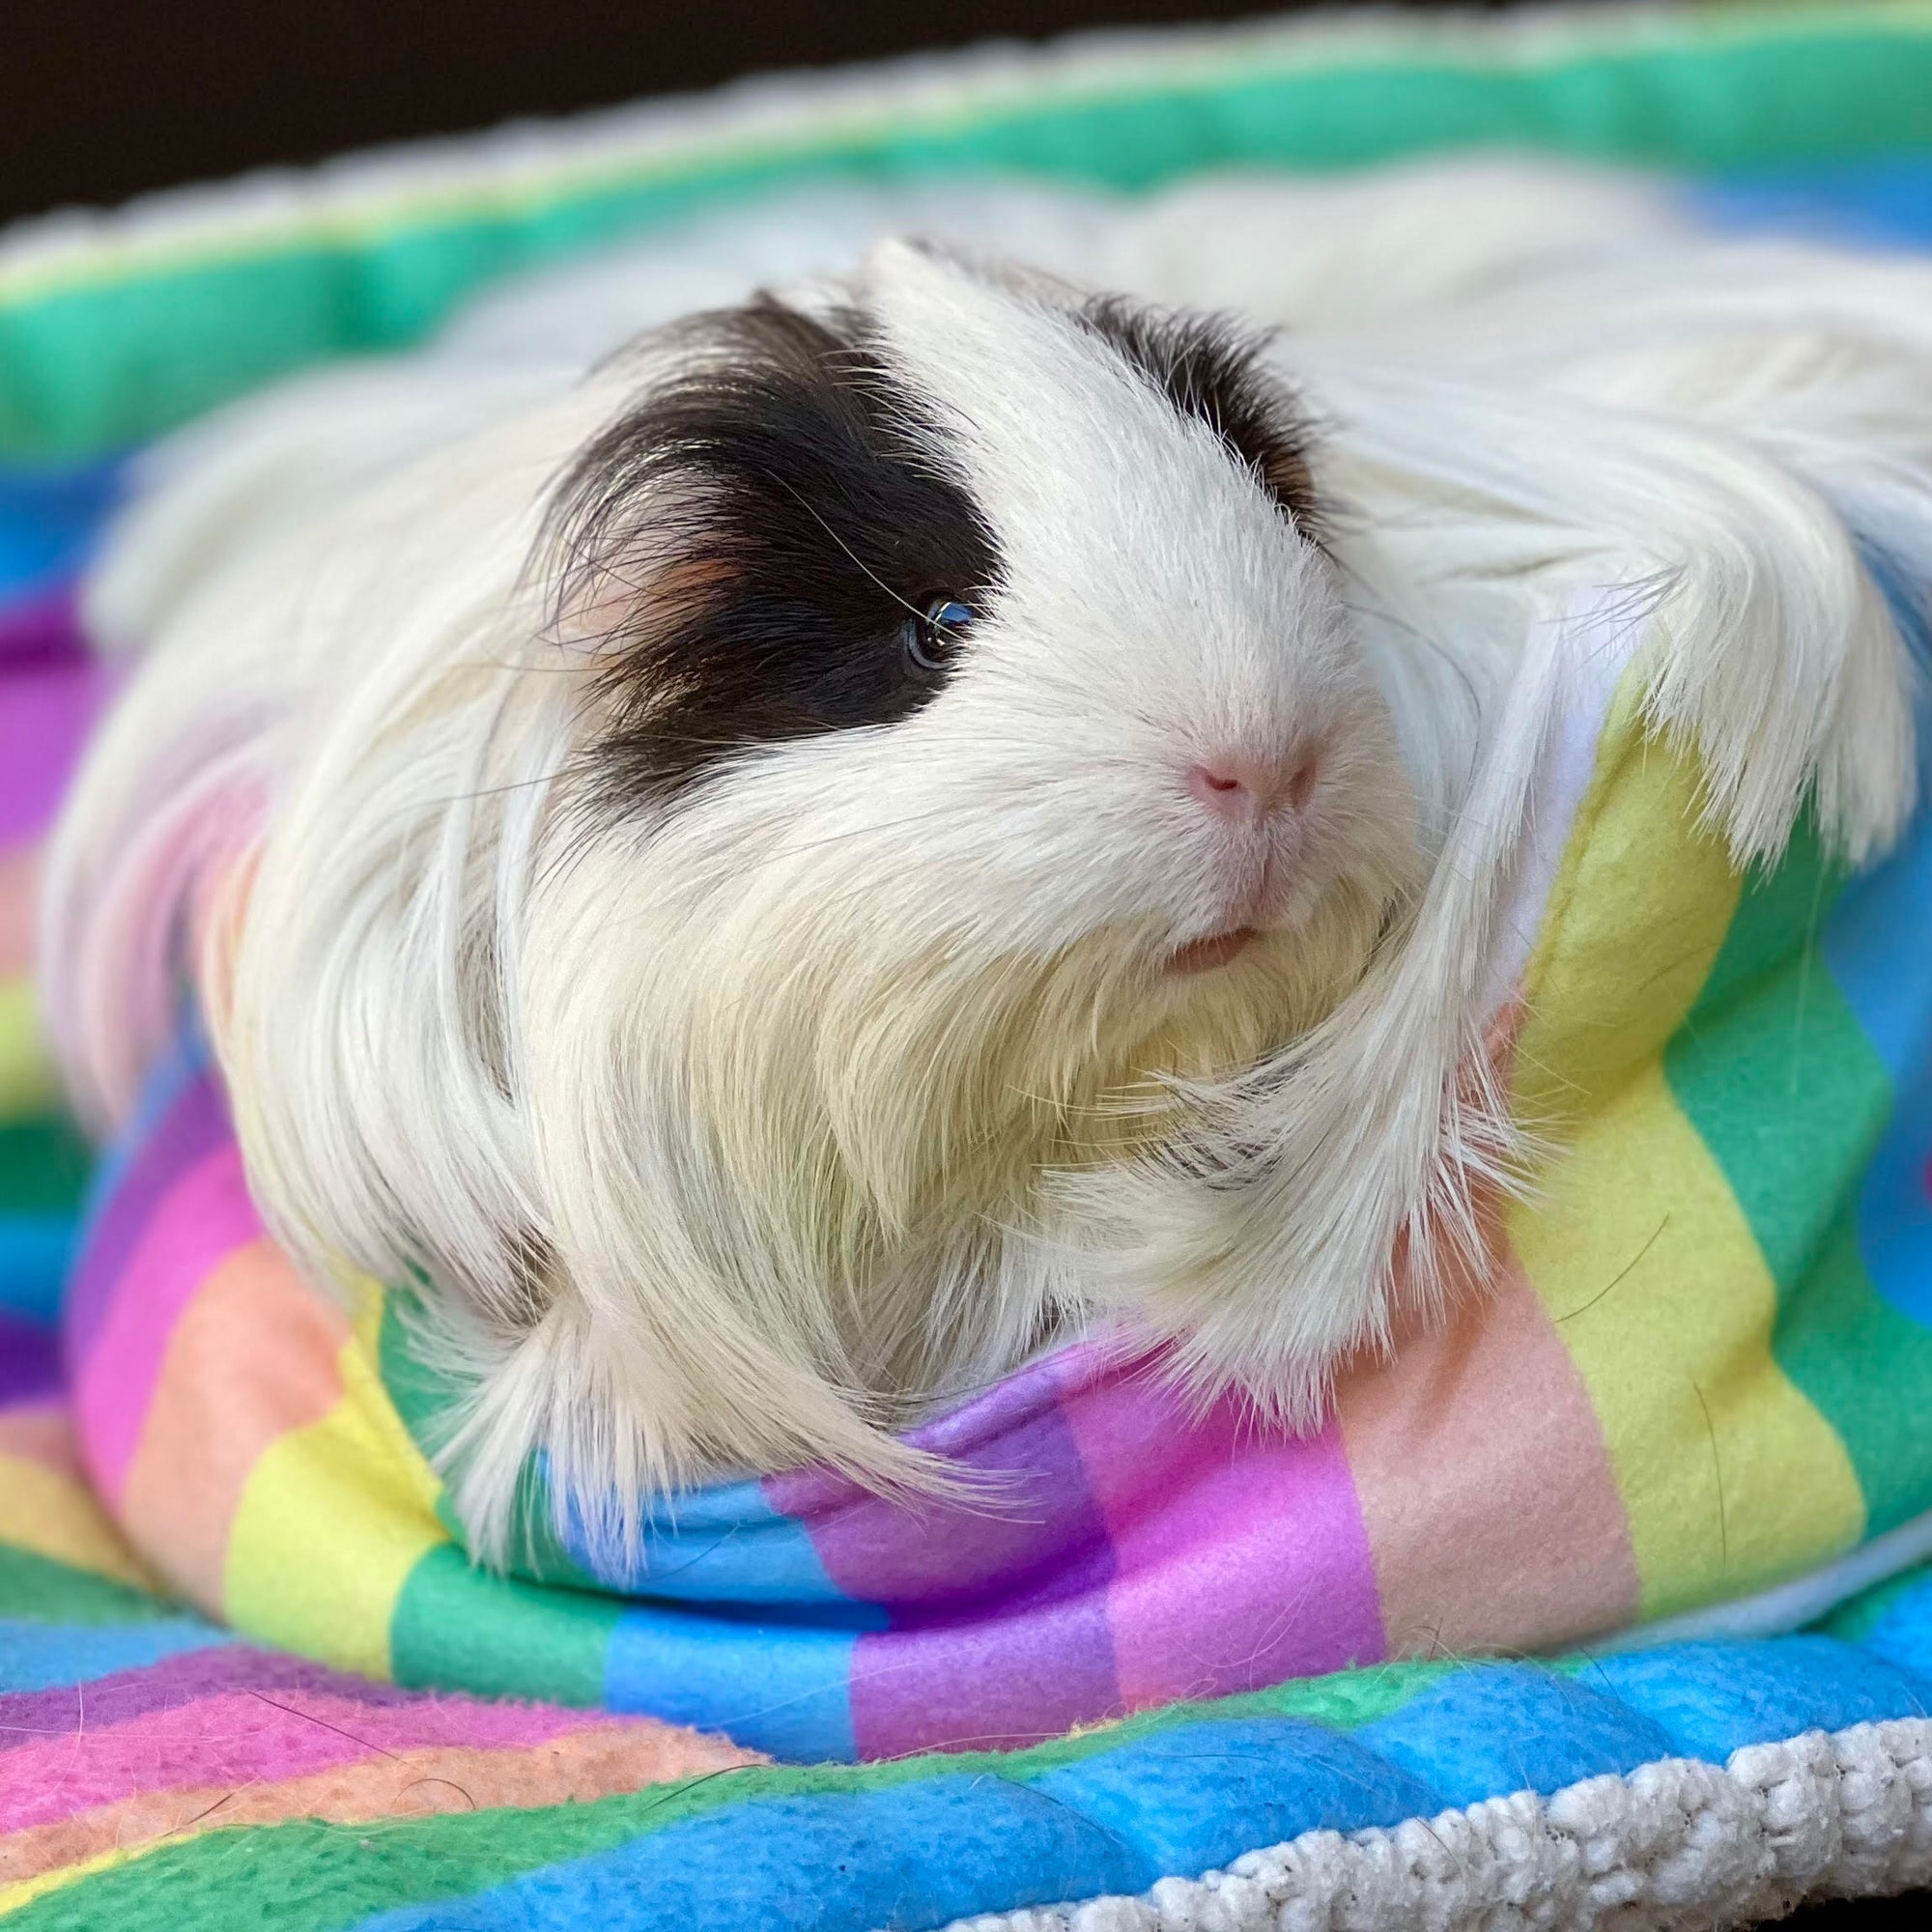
(100, 99)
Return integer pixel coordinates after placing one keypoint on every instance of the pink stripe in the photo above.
(244, 1739)
(202, 1220)
(1239, 1560)
(45, 711)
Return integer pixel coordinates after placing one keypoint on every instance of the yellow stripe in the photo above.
(1731, 1479)
(23, 1891)
(53, 1516)
(27, 1083)
(333, 1521)
(363, 1378)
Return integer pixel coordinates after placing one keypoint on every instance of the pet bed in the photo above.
(1189, 1677)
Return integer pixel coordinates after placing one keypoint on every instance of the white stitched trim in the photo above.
(1677, 1846)
(1789, 1606)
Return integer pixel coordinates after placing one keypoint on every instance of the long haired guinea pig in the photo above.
(887, 820)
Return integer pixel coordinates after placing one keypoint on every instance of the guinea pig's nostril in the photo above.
(1222, 791)
(1242, 789)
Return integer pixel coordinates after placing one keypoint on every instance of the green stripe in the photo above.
(44, 1167)
(421, 1399)
(456, 1626)
(1865, 1367)
(1774, 1071)
(323, 1878)
(141, 346)
(39, 1590)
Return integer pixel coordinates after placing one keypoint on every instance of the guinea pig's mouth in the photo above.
(1203, 955)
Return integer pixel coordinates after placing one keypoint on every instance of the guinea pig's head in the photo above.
(969, 739)
(975, 738)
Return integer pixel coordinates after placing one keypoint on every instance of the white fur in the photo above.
(851, 1088)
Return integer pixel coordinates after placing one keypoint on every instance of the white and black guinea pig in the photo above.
(883, 823)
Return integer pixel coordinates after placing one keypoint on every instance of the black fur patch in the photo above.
(1211, 367)
(750, 541)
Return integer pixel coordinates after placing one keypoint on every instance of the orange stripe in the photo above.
(253, 1357)
(1488, 1494)
(600, 1762)
(1485, 1483)
(46, 1506)
(18, 871)
(41, 1433)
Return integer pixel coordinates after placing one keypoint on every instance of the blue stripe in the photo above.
(782, 1688)
(1878, 924)
(1185, 1799)
(727, 1544)
(911, 1855)
(767, 1659)
(42, 1657)
(1195, 1797)
(1710, 1699)
(1876, 943)
(49, 517)
(1496, 1728)
(1885, 200)
(35, 1251)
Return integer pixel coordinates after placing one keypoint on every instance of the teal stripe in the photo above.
(85, 368)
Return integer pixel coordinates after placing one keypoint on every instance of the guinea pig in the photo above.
(897, 820)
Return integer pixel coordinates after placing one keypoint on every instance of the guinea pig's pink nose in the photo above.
(1242, 789)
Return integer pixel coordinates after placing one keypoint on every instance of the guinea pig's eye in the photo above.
(931, 635)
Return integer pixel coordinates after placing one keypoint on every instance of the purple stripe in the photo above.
(180, 1680)
(1000, 1631)
(1034, 1520)
(42, 627)
(1011, 1673)
(191, 1129)
(45, 712)
(1242, 1555)
(29, 1361)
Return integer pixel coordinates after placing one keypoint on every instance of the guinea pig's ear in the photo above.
(936, 304)
(734, 555)
(630, 538)
(934, 259)
(1217, 369)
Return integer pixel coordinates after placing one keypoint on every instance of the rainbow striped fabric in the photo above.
(1592, 1442)
(1699, 1380)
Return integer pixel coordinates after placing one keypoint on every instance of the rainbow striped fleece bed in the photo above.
(1682, 1451)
